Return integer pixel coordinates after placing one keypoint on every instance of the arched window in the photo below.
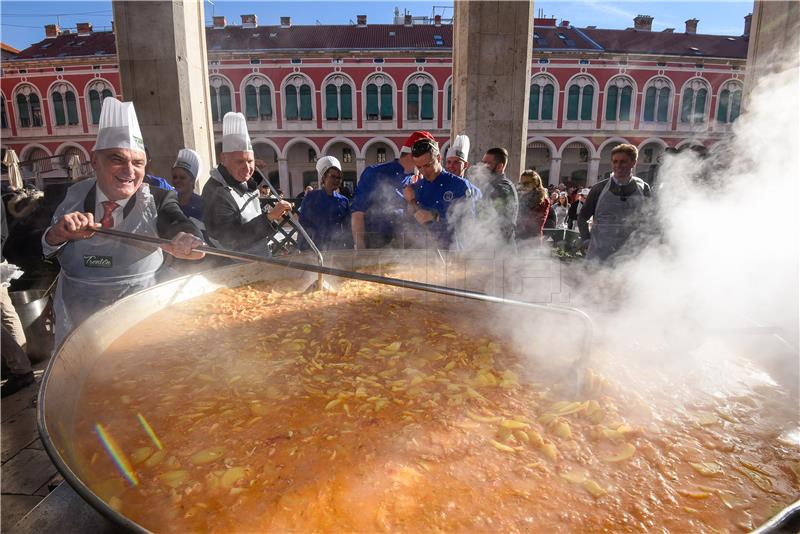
(338, 99)
(619, 96)
(449, 101)
(221, 102)
(67, 154)
(3, 116)
(657, 97)
(379, 98)
(540, 102)
(297, 93)
(580, 99)
(65, 107)
(258, 100)
(730, 102)
(419, 99)
(693, 105)
(98, 91)
(29, 108)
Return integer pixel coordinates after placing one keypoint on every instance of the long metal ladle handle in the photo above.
(396, 282)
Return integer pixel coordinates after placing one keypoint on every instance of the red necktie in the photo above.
(108, 208)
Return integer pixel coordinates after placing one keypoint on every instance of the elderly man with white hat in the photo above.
(97, 272)
(184, 176)
(325, 213)
(231, 208)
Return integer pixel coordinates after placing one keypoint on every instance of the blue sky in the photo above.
(22, 23)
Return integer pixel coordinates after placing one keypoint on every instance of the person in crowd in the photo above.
(500, 202)
(456, 161)
(184, 176)
(152, 180)
(432, 198)
(12, 337)
(325, 213)
(231, 208)
(561, 209)
(575, 209)
(96, 271)
(553, 197)
(619, 207)
(534, 206)
(378, 208)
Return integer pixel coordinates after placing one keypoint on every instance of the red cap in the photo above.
(413, 138)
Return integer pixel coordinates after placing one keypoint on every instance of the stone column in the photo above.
(555, 170)
(591, 174)
(361, 164)
(283, 175)
(163, 67)
(492, 43)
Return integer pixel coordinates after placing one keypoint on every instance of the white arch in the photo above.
(670, 101)
(696, 80)
(635, 90)
(384, 140)
(323, 97)
(448, 83)
(610, 140)
(649, 140)
(539, 139)
(297, 140)
(725, 85)
(29, 148)
(34, 89)
(224, 81)
(246, 81)
(367, 80)
(52, 107)
(70, 144)
(307, 79)
(266, 141)
(88, 87)
(341, 139)
(689, 142)
(578, 139)
(432, 80)
(595, 95)
(537, 77)
(19, 86)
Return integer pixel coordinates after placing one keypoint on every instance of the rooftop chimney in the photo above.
(437, 20)
(286, 22)
(51, 31)
(565, 24)
(249, 21)
(407, 21)
(691, 26)
(747, 20)
(84, 28)
(219, 22)
(643, 22)
(361, 21)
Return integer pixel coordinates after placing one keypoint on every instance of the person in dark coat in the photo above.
(534, 206)
(500, 202)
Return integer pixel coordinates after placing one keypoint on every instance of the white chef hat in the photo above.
(188, 160)
(234, 133)
(584, 192)
(118, 126)
(460, 148)
(326, 162)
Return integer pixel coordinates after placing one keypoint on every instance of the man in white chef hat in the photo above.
(231, 208)
(456, 161)
(325, 213)
(96, 271)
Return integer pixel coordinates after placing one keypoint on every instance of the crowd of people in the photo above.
(423, 199)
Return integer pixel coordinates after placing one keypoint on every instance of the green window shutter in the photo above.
(291, 103)
(650, 104)
(225, 100)
(547, 102)
(663, 104)
(72, 108)
(412, 102)
(265, 102)
(346, 96)
(372, 102)
(625, 104)
(214, 106)
(387, 109)
(611, 103)
(722, 111)
(427, 102)
(686, 107)
(58, 109)
(331, 102)
(572, 103)
(106, 94)
(23, 111)
(533, 103)
(586, 103)
(36, 111)
(250, 103)
(736, 104)
(700, 106)
(450, 102)
(306, 113)
(94, 106)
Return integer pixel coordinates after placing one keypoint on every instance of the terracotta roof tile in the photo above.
(72, 45)
(678, 44)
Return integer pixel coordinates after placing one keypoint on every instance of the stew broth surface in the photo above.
(256, 410)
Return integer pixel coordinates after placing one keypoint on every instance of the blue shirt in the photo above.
(439, 196)
(326, 218)
(194, 208)
(157, 181)
(379, 195)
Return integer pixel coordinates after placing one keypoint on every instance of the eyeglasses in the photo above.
(423, 146)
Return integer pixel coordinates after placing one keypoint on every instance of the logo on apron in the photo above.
(103, 262)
